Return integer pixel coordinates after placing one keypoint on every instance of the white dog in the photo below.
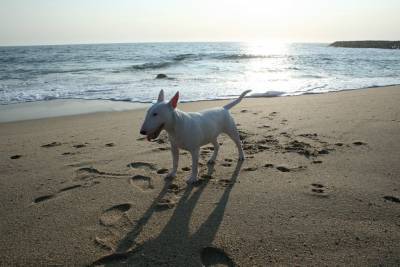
(190, 131)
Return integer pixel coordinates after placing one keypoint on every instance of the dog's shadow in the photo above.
(178, 244)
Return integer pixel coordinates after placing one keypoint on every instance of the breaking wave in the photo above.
(152, 65)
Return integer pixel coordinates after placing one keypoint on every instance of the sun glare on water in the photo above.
(265, 65)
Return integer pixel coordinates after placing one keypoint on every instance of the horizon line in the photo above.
(175, 42)
(166, 42)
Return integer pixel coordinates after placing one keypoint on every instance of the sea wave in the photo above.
(53, 71)
(309, 76)
(268, 94)
(180, 58)
(152, 65)
(238, 56)
(97, 90)
(219, 56)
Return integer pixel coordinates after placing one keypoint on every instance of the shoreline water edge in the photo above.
(70, 107)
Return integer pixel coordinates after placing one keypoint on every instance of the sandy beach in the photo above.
(320, 186)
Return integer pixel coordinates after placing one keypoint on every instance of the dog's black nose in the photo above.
(143, 132)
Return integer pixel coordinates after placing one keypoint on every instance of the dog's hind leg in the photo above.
(195, 163)
(233, 133)
(214, 155)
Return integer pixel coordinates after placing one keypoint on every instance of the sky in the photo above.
(34, 22)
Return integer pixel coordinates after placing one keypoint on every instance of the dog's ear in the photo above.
(174, 101)
(161, 96)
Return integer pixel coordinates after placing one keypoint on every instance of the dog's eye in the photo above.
(155, 114)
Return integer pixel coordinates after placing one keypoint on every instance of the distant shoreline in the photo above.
(367, 44)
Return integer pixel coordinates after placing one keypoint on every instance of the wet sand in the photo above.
(320, 186)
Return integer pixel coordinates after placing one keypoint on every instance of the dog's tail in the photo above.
(236, 101)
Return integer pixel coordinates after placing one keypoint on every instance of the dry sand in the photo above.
(320, 186)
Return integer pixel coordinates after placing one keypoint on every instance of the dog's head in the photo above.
(158, 115)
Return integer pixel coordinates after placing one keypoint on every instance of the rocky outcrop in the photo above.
(368, 44)
(161, 76)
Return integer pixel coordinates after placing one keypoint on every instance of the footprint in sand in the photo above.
(115, 224)
(283, 169)
(211, 256)
(111, 215)
(309, 135)
(47, 197)
(226, 182)
(43, 198)
(286, 169)
(16, 157)
(204, 152)
(52, 144)
(89, 170)
(318, 190)
(174, 188)
(163, 148)
(142, 165)
(114, 258)
(285, 134)
(323, 152)
(90, 176)
(317, 185)
(70, 188)
(162, 171)
(164, 204)
(79, 145)
(110, 144)
(264, 126)
(392, 199)
(359, 143)
(250, 169)
(206, 176)
(186, 169)
(143, 183)
(226, 164)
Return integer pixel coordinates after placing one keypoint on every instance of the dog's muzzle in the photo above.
(154, 134)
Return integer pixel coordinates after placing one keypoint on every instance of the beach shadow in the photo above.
(178, 244)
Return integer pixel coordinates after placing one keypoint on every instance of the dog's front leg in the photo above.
(195, 163)
(175, 160)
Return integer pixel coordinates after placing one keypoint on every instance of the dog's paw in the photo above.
(241, 158)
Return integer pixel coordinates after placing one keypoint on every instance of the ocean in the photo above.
(200, 71)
